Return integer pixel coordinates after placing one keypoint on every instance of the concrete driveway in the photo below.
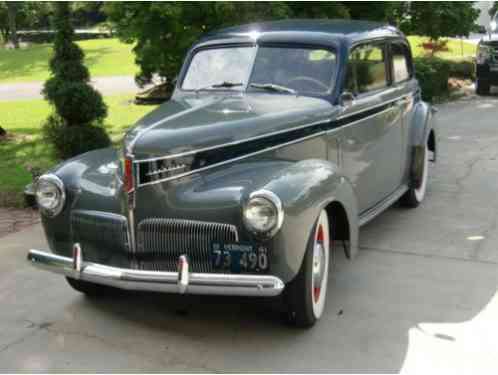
(422, 293)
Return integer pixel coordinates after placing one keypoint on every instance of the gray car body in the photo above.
(312, 152)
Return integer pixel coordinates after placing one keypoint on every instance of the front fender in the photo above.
(92, 181)
(305, 188)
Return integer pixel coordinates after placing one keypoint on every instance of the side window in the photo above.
(401, 62)
(367, 69)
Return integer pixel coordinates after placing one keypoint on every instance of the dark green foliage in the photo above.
(462, 69)
(164, 31)
(432, 74)
(439, 19)
(76, 103)
(80, 109)
(69, 141)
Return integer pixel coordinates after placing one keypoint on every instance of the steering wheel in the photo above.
(309, 79)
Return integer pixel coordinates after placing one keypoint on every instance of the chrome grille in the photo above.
(164, 240)
(97, 229)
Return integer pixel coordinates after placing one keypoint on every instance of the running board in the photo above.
(383, 205)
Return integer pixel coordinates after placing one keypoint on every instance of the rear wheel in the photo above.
(305, 295)
(414, 196)
(482, 87)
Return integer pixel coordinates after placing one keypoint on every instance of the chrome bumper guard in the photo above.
(168, 282)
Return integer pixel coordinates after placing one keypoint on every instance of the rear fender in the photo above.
(423, 132)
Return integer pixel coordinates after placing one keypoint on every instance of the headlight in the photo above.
(263, 214)
(50, 194)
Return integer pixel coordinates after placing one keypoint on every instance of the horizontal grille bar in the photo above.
(167, 239)
(98, 229)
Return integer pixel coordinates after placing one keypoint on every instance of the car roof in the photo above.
(349, 31)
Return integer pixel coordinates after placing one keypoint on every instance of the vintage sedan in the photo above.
(280, 140)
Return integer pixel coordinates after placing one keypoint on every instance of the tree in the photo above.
(440, 19)
(381, 11)
(77, 124)
(28, 15)
(163, 31)
(11, 14)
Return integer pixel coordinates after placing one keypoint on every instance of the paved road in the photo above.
(421, 294)
(32, 90)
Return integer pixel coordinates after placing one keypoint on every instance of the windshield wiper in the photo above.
(273, 87)
(221, 85)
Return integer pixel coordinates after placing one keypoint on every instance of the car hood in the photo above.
(206, 121)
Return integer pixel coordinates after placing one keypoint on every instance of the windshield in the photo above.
(281, 69)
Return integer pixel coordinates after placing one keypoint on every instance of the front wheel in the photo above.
(305, 295)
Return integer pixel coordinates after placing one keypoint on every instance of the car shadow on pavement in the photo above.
(376, 310)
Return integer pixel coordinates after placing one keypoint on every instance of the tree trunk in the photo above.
(12, 11)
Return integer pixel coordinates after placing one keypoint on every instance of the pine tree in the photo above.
(77, 124)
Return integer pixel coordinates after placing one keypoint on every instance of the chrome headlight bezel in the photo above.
(274, 203)
(50, 180)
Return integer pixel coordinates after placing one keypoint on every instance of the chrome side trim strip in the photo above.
(300, 127)
(325, 121)
(382, 205)
(235, 143)
(167, 282)
(232, 160)
(405, 96)
(357, 121)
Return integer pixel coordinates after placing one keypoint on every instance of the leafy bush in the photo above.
(76, 102)
(462, 69)
(432, 74)
(80, 110)
(73, 140)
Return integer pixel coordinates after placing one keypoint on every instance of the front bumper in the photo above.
(168, 282)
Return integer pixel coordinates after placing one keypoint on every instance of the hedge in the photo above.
(433, 74)
(47, 36)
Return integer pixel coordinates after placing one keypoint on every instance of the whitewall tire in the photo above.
(414, 196)
(305, 296)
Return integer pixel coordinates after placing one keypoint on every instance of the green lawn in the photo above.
(103, 57)
(23, 120)
(457, 50)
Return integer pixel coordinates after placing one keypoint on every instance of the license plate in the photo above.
(239, 257)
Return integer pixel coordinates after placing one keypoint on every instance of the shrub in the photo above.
(462, 69)
(432, 74)
(73, 140)
(80, 110)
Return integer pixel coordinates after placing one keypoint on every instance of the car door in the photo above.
(371, 138)
(404, 86)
